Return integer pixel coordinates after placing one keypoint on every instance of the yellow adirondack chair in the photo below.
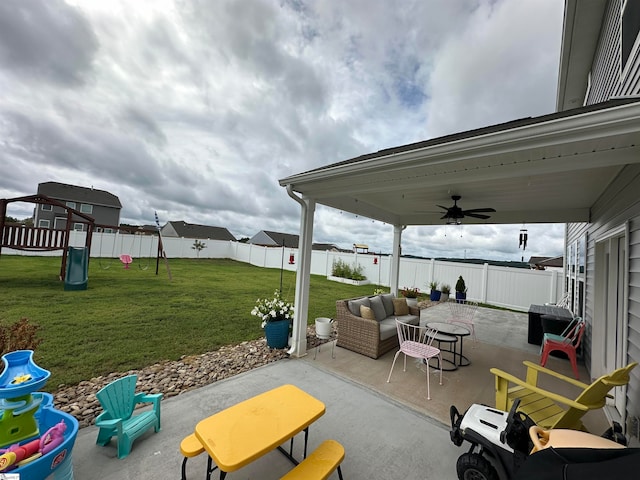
(551, 410)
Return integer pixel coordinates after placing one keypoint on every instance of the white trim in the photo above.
(44, 223)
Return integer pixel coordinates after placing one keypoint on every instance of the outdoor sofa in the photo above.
(367, 325)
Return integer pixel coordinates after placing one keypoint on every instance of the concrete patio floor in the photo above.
(389, 430)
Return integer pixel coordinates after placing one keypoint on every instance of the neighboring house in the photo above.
(103, 206)
(192, 230)
(579, 166)
(546, 263)
(267, 238)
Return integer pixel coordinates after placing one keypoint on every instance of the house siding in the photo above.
(605, 69)
(618, 205)
(607, 80)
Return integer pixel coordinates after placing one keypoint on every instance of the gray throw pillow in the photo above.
(354, 305)
(387, 300)
(378, 307)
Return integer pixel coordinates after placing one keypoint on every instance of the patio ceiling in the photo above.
(548, 169)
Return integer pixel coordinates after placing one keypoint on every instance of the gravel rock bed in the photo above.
(172, 378)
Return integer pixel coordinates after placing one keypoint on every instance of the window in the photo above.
(86, 208)
(78, 227)
(46, 208)
(71, 205)
(44, 223)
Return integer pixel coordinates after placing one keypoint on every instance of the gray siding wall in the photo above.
(605, 70)
(619, 204)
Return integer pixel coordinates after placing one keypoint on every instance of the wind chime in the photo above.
(523, 240)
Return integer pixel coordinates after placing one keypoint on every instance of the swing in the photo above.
(113, 249)
(145, 266)
(126, 258)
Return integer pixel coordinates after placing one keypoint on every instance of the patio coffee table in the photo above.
(459, 360)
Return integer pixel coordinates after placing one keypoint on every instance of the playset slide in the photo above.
(77, 274)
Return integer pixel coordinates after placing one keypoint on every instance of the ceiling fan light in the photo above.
(454, 221)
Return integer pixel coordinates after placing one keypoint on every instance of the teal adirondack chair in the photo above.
(118, 399)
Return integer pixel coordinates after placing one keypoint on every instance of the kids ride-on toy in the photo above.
(499, 441)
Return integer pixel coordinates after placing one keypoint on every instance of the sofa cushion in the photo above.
(367, 312)
(400, 306)
(388, 325)
(378, 307)
(354, 305)
(387, 301)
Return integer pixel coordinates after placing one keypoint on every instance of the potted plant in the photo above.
(411, 294)
(435, 293)
(461, 290)
(446, 290)
(276, 315)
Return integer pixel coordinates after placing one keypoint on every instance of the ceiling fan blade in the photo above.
(478, 210)
(446, 215)
(477, 215)
(444, 208)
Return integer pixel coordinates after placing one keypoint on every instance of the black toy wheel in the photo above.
(473, 466)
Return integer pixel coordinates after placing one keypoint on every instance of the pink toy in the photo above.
(40, 446)
(53, 438)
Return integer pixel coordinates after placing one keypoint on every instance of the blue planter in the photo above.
(434, 296)
(277, 333)
(461, 296)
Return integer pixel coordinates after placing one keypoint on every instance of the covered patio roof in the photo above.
(547, 169)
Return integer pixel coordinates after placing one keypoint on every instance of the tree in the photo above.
(198, 245)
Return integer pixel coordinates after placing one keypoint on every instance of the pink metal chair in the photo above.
(416, 341)
(462, 313)
(568, 343)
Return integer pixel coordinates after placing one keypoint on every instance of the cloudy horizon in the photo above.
(196, 109)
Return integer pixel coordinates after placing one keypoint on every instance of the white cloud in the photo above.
(196, 109)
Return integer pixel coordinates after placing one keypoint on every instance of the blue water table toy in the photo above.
(35, 438)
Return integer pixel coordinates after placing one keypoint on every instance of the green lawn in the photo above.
(129, 319)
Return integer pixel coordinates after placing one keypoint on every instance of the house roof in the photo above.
(547, 261)
(74, 193)
(280, 239)
(192, 230)
(550, 169)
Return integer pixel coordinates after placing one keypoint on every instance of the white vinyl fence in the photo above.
(508, 287)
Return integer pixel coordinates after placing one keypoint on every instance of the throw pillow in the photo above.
(366, 312)
(387, 301)
(400, 306)
(354, 305)
(378, 308)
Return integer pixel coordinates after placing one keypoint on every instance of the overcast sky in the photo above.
(195, 108)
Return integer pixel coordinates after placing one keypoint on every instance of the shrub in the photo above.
(20, 335)
(342, 269)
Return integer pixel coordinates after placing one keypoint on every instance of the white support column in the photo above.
(301, 313)
(395, 262)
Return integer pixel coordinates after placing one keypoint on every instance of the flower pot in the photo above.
(323, 327)
(435, 295)
(412, 302)
(461, 296)
(444, 297)
(277, 333)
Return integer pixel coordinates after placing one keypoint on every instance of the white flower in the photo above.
(272, 309)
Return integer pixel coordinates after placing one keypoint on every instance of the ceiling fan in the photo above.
(455, 214)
